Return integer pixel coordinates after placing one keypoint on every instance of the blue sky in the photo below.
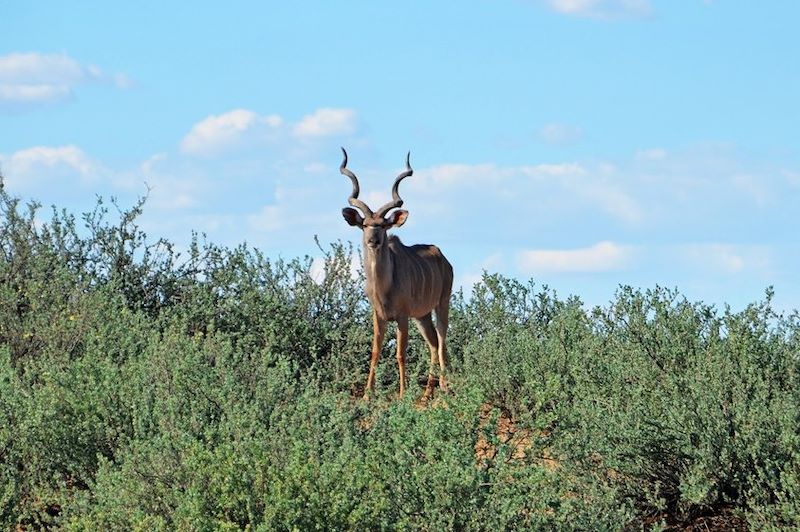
(581, 143)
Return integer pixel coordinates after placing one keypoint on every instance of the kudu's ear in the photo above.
(398, 218)
(352, 217)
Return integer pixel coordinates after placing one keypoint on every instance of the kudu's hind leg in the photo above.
(379, 331)
(428, 331)
(442, 319)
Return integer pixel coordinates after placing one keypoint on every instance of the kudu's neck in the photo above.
(379, 269)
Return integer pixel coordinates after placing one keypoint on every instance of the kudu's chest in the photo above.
(382, 292)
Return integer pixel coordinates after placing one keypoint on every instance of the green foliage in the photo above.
(145, 389)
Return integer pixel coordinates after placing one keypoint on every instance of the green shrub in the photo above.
(145, 389)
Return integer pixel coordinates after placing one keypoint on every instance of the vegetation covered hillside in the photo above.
(143, 389)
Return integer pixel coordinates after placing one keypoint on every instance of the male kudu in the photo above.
(402, 282)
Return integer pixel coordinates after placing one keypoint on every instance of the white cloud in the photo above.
(602, 9)
(122, 81)
(489, 174)
(462, 174)
(752, 187)
(554, 170)
(33, 164)
(29, 93)
(610, 198)
(242, 127)
(292, 208)
(149, 165)
(326, 122)
(44, 68)
(270, 218)
(601, 257)
(317, 270)
(34, 78)
(317, 168)
(218, 130)
(651, 154)
(793, 178)
(599, 187)
(555, 133)
(652, 190)
(166, 191)
(727, 258)
(473, 275)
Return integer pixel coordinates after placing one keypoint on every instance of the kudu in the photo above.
(402, 282)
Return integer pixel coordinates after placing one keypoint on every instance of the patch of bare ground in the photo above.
(518, 440)
(521, 443)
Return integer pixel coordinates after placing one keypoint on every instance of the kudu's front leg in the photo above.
(379, 331)
(402, 345)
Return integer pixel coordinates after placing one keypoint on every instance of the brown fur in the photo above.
(408, 282)
(402, 281)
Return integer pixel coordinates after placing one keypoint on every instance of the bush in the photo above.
(145, 389)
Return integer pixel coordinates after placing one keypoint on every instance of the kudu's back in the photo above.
(425, 275)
